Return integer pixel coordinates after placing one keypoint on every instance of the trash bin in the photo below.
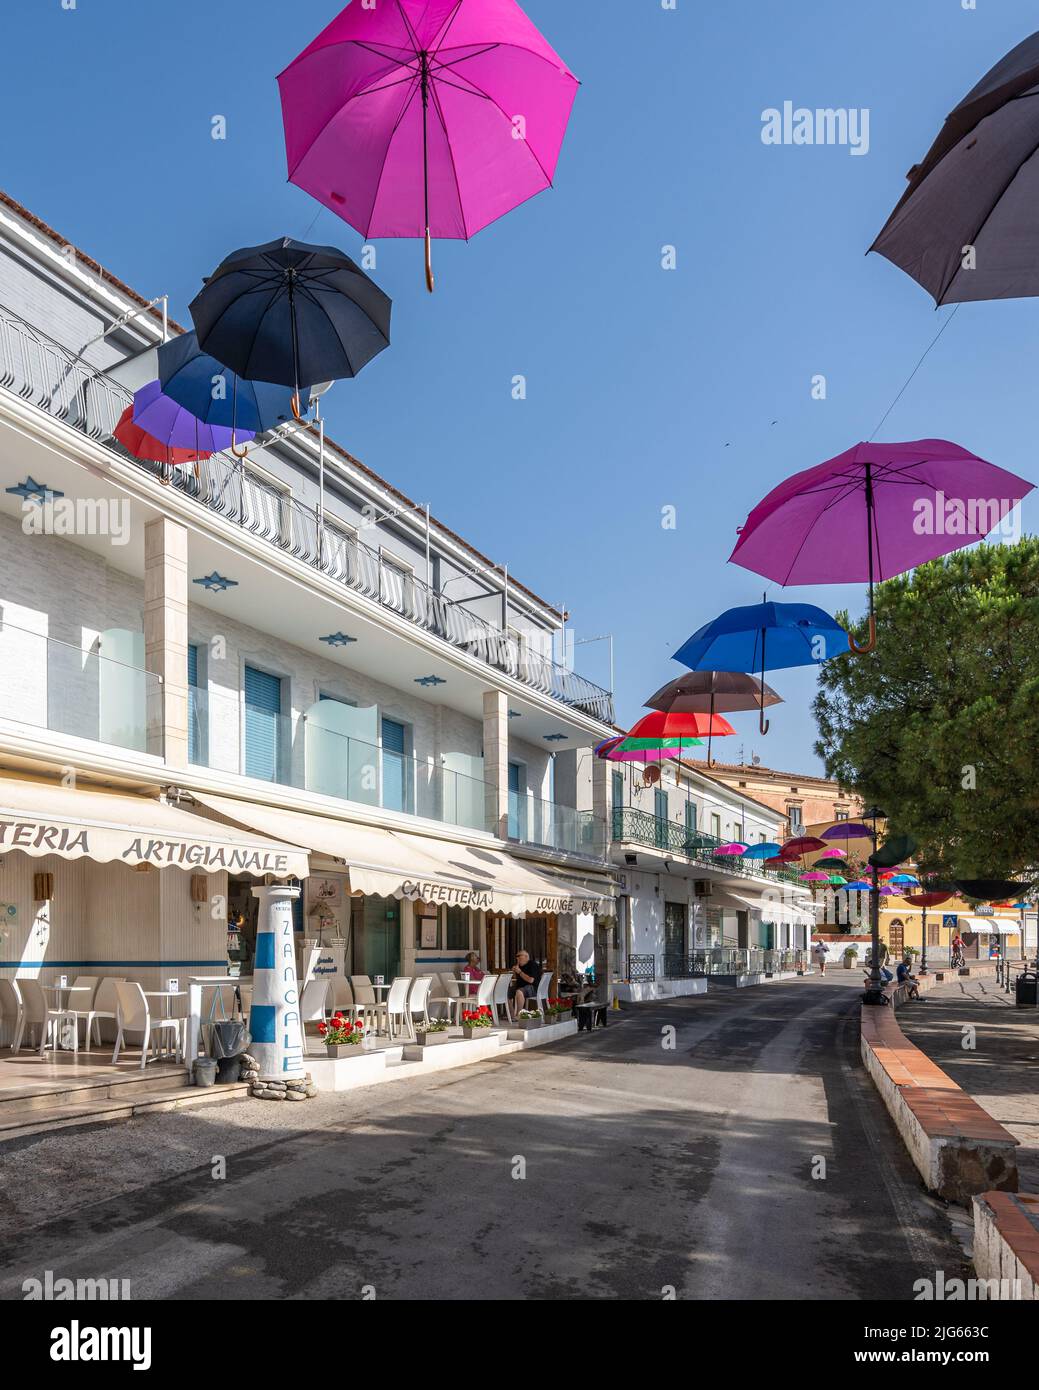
(205, 1071)
(1027, 990)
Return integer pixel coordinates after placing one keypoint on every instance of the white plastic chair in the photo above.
(134, 1016)
(11, 1010)
(483, 996)
(538, 1002)
(397, 1006)
(365, 995)
(35, 1009)
(448, 1000)
(499, 1000)
(418, 999)
(102, 1006)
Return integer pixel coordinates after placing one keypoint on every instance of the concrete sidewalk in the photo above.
(990, 1048)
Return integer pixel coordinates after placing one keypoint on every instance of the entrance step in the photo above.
(18, 1122)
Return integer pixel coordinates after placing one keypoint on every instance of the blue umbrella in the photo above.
(859, 886)
(764, 637)
(217, 395)
(766, 851)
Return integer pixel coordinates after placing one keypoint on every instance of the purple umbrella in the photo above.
(169, 422)
(875, 511)
(425, 117)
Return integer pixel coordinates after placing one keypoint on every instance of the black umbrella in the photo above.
(991, 889)
(967, 227)
(291, 314)
(893, 851)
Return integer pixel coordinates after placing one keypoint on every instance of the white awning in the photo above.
(770, 909)
(398, 864)
(42, 818)
(995, 926)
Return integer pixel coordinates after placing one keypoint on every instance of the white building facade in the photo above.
(686, 912)
(281, 650)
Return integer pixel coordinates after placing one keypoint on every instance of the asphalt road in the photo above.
(750, 1160)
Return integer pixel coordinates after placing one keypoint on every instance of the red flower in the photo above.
(322, 1028)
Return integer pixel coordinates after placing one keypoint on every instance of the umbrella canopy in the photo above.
(801, 844)
(765, 850)
(761, 637)
(814, 876)
(143, 445)
(291, 313)
(848, 830)
(926, 899)
(713, 692)
(904, 878)
(659, 724)
(732, 849)
(401, 118)
(622, 749)
(218, 396)
(172, 424)
(894, 849)
(989, 889)
(875, 511)
(976, 187)
(858, 885)
(837, 880)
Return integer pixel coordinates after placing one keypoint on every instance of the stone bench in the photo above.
(958, 1148)
(1006, 1243)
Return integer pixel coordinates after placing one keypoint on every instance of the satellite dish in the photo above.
(650, 775)
(755, 760)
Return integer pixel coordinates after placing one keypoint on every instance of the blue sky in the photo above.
(646, 388)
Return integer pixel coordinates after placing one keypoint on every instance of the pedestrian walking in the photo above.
(822, 950)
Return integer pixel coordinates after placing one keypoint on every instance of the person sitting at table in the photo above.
(525, 976)
(471, 967)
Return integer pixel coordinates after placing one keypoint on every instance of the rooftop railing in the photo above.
(41, 371)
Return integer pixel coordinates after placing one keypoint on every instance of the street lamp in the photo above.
(875, 988)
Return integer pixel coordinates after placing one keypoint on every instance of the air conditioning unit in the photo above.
(702, 887)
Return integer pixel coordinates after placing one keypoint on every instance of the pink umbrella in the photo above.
(425, 117)
(814, 876)
(731, 849)
(875, 511)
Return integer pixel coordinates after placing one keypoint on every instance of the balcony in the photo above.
(227, 734)
(42, 372)
(716, 960)
(631, 826)
(81, 692)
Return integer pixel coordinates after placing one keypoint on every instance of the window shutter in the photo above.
(262, 724)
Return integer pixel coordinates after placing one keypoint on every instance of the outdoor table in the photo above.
(166, 995)
(378, 1003)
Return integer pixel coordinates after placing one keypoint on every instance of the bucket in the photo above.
(205, 1071)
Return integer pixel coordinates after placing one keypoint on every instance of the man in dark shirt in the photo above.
(525, 976)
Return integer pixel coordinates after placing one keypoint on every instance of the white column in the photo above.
(496, 760)
(166, 637)
(274, 1019)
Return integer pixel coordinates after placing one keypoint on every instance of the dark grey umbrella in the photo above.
(967, 227)
(715, 692)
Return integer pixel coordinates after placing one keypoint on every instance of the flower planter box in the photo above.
(528, 1023)
(542, 1032)
(473, 1033)
(563, 1017)
(336, 1051)
(424, 1039)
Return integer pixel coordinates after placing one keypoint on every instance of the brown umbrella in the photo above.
(714, 692)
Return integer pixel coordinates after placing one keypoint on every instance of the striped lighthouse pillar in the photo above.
(274, 1019)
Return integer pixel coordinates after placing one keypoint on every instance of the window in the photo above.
(690, 817)
(339, 551)
(457, 919)
(660, 811)
(716, 825)
(265, 504)
(395, 767)
(197, 732)
(840, 815)
(617, 792)
(263, 725)
(517, 801)
(796, 823)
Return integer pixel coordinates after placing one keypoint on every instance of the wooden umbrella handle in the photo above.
(429, 263)
(870, 642)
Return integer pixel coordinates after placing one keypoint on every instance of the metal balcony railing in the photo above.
(44, 373)
(642, 828)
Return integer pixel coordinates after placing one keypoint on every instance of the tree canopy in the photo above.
(939, 725)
